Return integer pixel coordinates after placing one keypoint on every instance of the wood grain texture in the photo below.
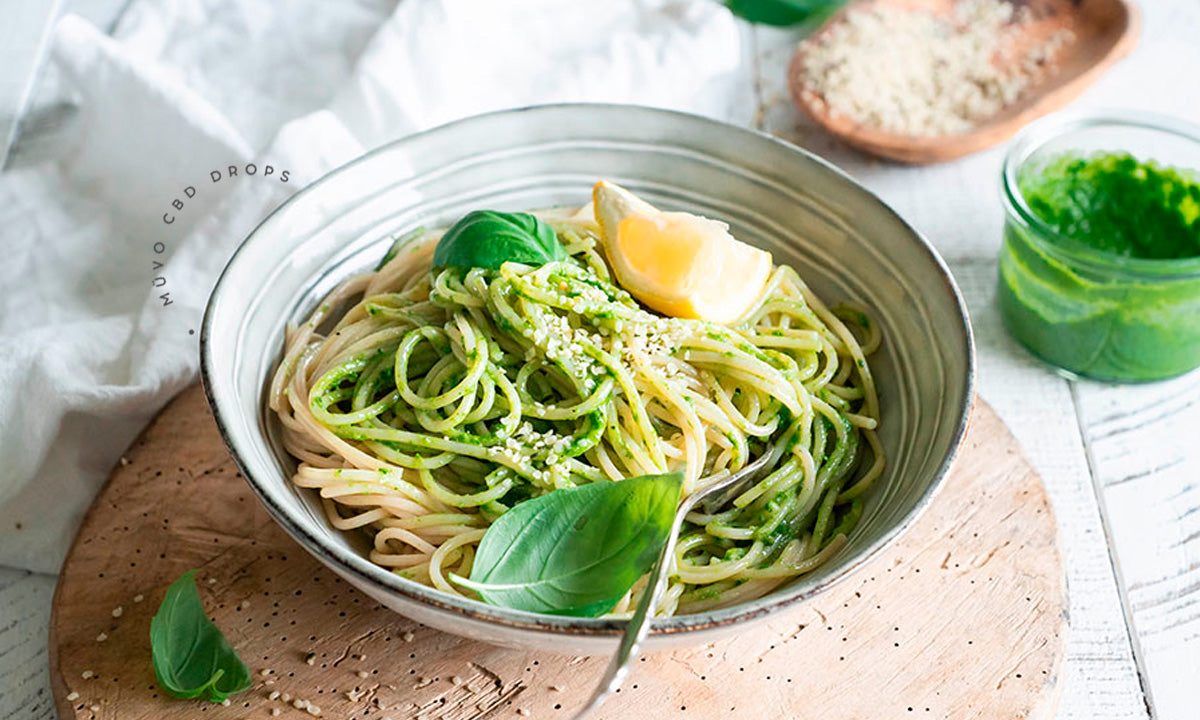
(1104, 32)
(964, 617)
(24, 612)
(1142, 442)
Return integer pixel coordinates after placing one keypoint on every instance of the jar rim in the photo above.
(1054, 126)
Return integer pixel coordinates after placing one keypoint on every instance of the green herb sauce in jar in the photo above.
(1100, 270)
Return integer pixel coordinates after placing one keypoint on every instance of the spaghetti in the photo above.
(442, 397)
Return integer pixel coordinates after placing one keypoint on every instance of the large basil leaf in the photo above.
(191, 656)
(488, 239)
(781, 12)
(575, 551)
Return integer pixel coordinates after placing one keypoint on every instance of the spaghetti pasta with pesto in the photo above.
(424, 402)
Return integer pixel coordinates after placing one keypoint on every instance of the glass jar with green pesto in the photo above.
(1100, 266)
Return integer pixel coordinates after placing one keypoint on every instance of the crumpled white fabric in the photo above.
(89, 350)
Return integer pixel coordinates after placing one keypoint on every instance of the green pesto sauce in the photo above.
(1094, 319)
(1115, 203)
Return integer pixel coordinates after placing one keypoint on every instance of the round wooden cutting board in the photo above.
(963, 617)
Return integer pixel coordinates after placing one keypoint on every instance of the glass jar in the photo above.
(1089, 312)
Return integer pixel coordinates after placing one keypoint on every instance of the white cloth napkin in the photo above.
(89, 349)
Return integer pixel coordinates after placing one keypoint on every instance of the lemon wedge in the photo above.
(677, 263)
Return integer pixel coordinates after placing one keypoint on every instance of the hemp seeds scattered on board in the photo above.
(914, 72)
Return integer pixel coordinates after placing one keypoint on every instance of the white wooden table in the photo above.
(1122, 464)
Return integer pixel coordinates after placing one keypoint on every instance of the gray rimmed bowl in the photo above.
(844, 241)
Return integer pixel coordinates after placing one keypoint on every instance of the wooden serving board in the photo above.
(963, 617)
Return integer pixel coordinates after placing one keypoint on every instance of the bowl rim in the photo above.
(350, 563)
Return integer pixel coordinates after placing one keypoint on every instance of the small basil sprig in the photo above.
(781, 12)
(191, 656)
(575, 551)
(488, 239)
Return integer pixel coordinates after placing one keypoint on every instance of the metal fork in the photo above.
(713, 496)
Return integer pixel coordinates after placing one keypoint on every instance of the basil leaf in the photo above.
(781, 12)
(488, 239)
(191, 656)
(575, 551)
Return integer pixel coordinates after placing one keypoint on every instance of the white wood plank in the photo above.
(1146, 458)
(24, 668)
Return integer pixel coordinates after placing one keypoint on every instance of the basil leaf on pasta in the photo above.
(488, 239)
(191, 656)
(575, 551)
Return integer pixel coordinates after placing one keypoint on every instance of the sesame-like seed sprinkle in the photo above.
(269, 682)
(275, 712)
(408, 637)
(456, 680)
(95, 708)
(138, 598)
(286, 697)
(265, 672)
(310, 658)
(118, 611)
(226, 703)
(314, 710)
(522, 712)
(87, 674)
(274, 695)
(212, 581)
(299, 704)
(73, 697)
(362, 674)
(245, 604)
(556, 688)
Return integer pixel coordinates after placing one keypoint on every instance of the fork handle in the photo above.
(639, 623)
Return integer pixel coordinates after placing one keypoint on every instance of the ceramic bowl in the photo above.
(845, 242)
